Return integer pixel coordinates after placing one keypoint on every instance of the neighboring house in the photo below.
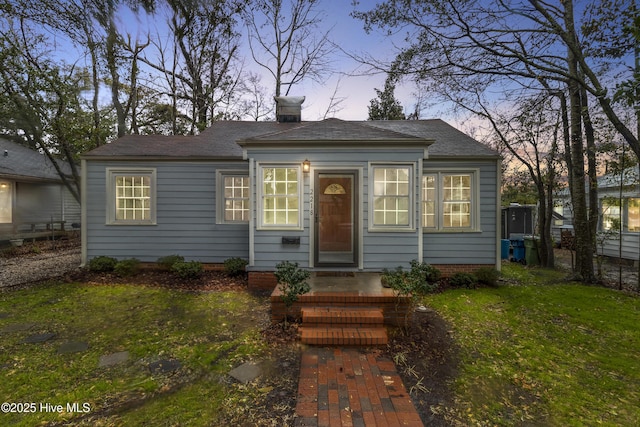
(619, 214)
(330, 195)
(32, 195)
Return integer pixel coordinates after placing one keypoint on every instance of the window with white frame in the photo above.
(610, 215)
(235, 197)
(392, 196)
(6, 202)
(131, 196)
(280, 197)
(448, 201)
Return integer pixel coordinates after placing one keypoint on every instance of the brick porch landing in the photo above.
(344, 310)
(347, 387)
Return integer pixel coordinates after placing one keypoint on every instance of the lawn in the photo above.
(205, 334)
(538, 351)
(533, 351)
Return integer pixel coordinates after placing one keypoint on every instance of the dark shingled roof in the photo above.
(22, 163)
(224, 138)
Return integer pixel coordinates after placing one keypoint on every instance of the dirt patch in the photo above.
(426, 359)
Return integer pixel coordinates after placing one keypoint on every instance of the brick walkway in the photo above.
(348, 387)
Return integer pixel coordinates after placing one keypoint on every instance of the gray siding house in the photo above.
(331, 195)
(32, 195)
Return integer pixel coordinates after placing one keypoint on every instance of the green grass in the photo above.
(542, 352)
(209, 333)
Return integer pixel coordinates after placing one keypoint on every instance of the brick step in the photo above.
(343, 335)
(342, 316)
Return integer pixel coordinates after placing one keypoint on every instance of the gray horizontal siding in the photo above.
(468, 247)
(39, 204)
(186, 216)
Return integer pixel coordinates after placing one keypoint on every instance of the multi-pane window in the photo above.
(131, 197)
(448, 201)
(391, 196)
(429, 201)
(456, 201)
(280, 196)
(6, 203)
(236, 198)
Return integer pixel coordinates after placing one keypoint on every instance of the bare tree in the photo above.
(202, 74)
(283, 41)
(510, 46)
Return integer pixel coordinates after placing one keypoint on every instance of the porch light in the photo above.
(306, 166)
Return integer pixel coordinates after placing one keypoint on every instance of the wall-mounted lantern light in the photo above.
(306, 166)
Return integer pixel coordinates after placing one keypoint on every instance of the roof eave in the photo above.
(419, 142)
(160, 158)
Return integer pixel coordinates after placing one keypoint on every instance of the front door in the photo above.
(336, 218)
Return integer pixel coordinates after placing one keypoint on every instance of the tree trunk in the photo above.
(583, 237)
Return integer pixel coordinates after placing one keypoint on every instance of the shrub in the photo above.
(292, 282)
(235, 266)
(102, 264)
(424, 277)
(169, 260)
(487, 275)
(188, 270)
(127, 267)
(466, 280)
(420, 280)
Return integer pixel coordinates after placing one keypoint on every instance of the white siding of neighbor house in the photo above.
(609, 246)
(185, 221)
(474, 247)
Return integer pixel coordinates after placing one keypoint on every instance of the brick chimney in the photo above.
(289, 109)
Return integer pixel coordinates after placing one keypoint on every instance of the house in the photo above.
(619, 214)
(331, 195)
(33, 199)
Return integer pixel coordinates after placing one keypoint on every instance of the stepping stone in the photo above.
(113, 359)
(164, 366)
(73, 347)
(38, 338)
(17, 327)
(246, 372)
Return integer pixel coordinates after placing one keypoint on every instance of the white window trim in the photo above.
(12, 194)
(111, 174)
(260, 199)
(412, 206)
(220, 198)
(475, 200)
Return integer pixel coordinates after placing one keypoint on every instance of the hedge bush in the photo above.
(127, 267)
(235, 266)
(187, 270)
(102, 264)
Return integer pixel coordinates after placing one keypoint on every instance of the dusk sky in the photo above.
(349, 34)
